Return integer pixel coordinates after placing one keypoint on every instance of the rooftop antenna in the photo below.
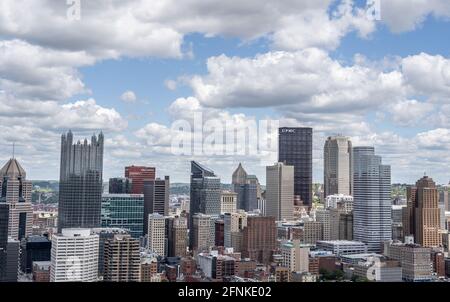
(13, 150)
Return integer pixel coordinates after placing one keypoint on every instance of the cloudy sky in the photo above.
(132, 68)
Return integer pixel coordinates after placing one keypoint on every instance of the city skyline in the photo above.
(383, 82)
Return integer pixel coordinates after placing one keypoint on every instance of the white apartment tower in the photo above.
(280, 191)
(74, 256)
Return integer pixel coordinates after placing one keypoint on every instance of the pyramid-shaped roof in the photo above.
(12, 169)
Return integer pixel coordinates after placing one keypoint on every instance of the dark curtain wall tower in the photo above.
(156, 198)
(80, 183)
(295, 149)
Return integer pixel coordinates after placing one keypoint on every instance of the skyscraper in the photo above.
(74, 256)
(156, 198)
(16, 192)
(156, 234)
(372, 199)
(205, 193)
(201, 236)
(338, 166)
(228, 202)
(123, 211)
(138, 174)
(295, 149)
(4, 219)
(427, 213)
(80, 182)
(247, 188)
(259, 239)
(176, 232)
(120, 185)
(122, 259)
(280, 191)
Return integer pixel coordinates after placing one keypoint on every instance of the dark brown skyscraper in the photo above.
(259, 238)
(176, 232)
(427, 213)
(138, 174)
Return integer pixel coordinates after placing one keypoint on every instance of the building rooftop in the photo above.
(13, 169)
(341, 242)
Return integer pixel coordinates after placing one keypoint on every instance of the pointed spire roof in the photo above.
(239, 175)
(12, 169)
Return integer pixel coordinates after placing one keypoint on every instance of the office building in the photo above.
(205, 193)
(339, 201)
(280, 191)
(383, 271)
(4, 220)
(216, 267)
(12, 260)
(156, 197)
(295, 149)
(123, 211)
(372, 199)
(41, 271)
(338, 166)
(323, 217)
(176, 230)
(34, 248)
(234, 223)
(139, 174)
(105, 234)
(228, 202)
(295, 256)
(219, 237)
(122, 259)
(427, 214)
(259, 238)
(200, 233)
(156, 236)
(247, 188)
(312, 232)
(342, 247)
(80, 183)
(16, 192)
(416, 260)
(74, 256)
(120, 185)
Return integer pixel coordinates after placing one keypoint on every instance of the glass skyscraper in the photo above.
(80, 184)
(372, 199)
(295, 149)
(125, 211)
(205, 192)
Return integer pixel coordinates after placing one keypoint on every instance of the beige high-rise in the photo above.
(280, 191)
(427, 214)
(122, 259)
(338, 167)
(15, 191)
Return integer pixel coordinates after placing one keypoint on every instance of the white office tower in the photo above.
(74, 256)
(372, 209)
(338, 166)
(156, 234)
(280, 191)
